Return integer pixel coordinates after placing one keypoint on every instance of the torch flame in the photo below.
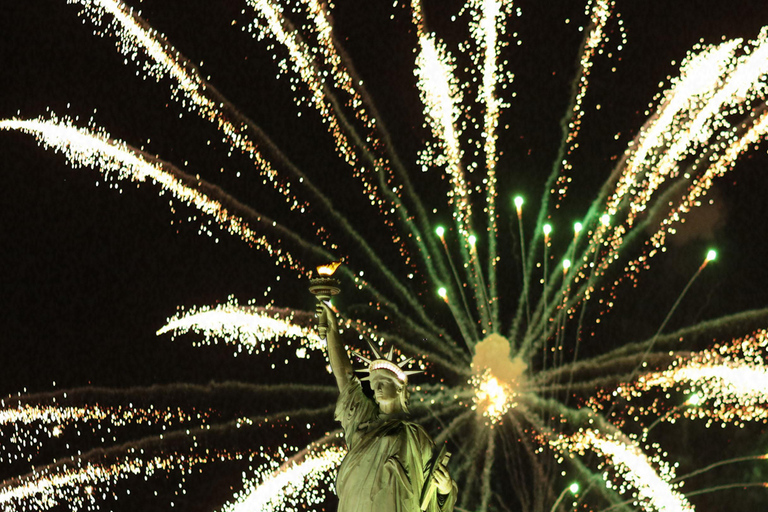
(329, 269)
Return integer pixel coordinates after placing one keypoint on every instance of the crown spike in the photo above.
(391, 353)
(404, 362)
(375, 350)
(362, 358)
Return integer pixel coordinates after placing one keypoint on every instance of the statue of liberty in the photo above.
(390, 465)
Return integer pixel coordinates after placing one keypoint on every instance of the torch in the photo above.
(323, 287)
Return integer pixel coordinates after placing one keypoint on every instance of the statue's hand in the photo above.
(325, 316)
(443, 479)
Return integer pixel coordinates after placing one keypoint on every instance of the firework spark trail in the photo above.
(343, 78)
(26, 414)
(629, 462)
(436, 337)
(119, 416)
(755, 134)
(698, 336)
(729, 382)
(542, 468)
(616, 367)
(699, 78)
(490, 452)
(289, 481)
(518, 448)
(303, 64)
(474, 445)
(247, 327)
(133, 35)
(557, 299)
(646, 357)
(742, 82)
(590, 375)
(110, 399)
(599, 14)
(486, 25)
(341, 74)
(510, 454)
(481, 290)
(558, 179)
(34, 425)
(714, 465)
(654, 492)
(50, 487)
(442, 97)
(738, 82)
(115, 158)
(595, 481)
(556, 302)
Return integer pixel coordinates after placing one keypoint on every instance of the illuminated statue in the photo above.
(389, 464)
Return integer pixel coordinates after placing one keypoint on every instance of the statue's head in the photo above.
(388, 379)
(387, 387)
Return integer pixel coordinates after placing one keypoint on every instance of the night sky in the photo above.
(89, 273)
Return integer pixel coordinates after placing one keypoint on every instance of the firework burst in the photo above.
(508, 327)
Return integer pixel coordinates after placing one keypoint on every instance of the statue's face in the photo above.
(384, 385)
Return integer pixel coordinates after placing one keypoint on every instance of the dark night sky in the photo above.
(89, 273)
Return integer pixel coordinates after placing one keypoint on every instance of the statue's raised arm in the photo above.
(337, 355)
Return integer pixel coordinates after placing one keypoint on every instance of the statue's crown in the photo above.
(387, 362)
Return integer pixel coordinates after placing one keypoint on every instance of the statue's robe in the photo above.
(388, 458)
